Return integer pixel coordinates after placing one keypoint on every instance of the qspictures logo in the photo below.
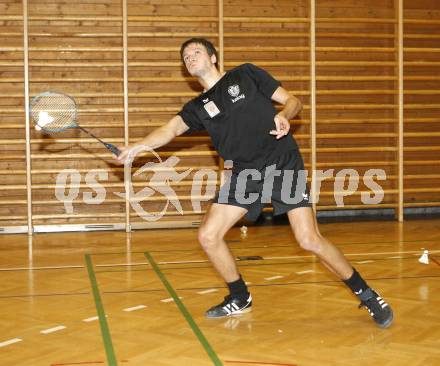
(162, 175)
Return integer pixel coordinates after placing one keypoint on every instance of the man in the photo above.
(237, 111)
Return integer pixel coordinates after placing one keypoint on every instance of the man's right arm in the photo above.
(158, 137)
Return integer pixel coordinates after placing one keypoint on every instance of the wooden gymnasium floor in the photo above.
(56, 288)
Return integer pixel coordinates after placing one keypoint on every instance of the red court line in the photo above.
(261, 363)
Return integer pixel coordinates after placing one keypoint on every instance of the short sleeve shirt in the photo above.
(238, 114)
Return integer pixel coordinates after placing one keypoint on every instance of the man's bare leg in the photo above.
(304, 225)
(216, 223)
(219, 219)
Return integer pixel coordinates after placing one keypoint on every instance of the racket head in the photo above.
(53, 112)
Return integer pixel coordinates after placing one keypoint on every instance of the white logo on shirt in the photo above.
(234, 90)
(206, 100)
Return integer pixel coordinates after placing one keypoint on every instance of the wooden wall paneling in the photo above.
(119, 59)
(355, 96)
(422, 102)
(76, 48)
(221, 36)
(313, 189)
(221, 64)
(276, 37)
(127, 171)
(13, 187)
(400, 90)
(27, 119)
(158, 88)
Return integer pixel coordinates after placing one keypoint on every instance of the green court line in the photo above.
(202, 339)
(105, 332)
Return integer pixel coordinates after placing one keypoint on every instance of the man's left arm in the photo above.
(292, 106)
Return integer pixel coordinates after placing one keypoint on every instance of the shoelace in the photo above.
(226, 300)
(373, 306)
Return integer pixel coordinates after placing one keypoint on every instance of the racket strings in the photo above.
(54, 112)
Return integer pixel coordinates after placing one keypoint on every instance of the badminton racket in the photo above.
(54, 112)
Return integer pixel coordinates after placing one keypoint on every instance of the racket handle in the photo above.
(112, 148)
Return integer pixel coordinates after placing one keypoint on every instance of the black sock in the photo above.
(238, 289)
(356, 283)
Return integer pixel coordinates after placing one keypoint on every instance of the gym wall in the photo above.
(365, 71)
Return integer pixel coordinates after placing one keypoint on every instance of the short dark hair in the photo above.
(204, 42)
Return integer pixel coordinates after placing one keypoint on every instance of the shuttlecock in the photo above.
(43, 120)
(424, 258)
(243, 231)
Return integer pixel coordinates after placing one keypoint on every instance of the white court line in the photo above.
(37, 268)
(415, 252)
(91, 319)
(184, 262)
(146, 263)
(88, 320)
(52, 330)
(364, 262)
(304, 272)
(10, 341)
(396, 257)
(170, 299)
(122, 264)
(135, 308)
(207, 291)
(273, 278)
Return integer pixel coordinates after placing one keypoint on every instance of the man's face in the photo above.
(197, 60)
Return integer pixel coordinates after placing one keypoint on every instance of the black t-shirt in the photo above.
(238, 114)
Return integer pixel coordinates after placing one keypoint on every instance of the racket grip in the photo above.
(112, 148)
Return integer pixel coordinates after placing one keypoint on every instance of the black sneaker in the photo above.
(377, 307)
(230, 306)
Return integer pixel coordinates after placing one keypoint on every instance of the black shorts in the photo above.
(282, 183)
